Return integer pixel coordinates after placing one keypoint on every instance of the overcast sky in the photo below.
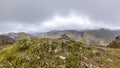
(45, 15)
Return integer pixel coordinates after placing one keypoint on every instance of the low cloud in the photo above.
(45, 15)
(75, 22)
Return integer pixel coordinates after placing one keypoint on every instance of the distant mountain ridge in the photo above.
(97, 37)
(90, 37)
(20, 35)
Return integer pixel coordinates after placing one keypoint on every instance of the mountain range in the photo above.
(96, 37)
(90, 37)
(61, 49)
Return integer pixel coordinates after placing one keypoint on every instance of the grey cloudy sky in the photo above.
(45, 15)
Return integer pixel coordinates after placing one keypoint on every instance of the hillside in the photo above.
(5, 40)
(60, 52)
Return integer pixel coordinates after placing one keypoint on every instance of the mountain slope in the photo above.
(106, 34)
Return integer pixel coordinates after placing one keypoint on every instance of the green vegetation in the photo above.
(58, 53)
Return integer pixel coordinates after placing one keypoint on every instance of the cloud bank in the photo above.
(45, 15)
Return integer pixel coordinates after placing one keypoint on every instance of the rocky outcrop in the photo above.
(115, 43)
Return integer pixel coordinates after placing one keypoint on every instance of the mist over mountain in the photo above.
(39, 15)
